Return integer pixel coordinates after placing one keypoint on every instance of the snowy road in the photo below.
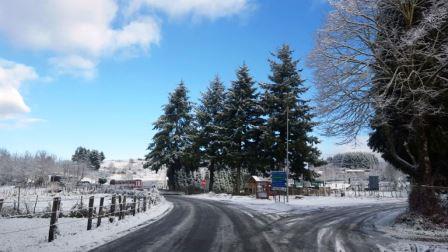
(204, 225)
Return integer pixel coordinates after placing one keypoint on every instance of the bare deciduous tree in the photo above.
(32, 169)
(384, 64)
(350, 51)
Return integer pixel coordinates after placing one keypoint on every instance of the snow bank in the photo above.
(73, 234)
(305, 204)
(421, 236)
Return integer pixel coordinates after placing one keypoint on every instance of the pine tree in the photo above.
(102, 157)
(81, 155)
(241, 130)
(282, 99)
(355, 160)
(172, 144)
(95, 159)
(89, 158)
(209, 119)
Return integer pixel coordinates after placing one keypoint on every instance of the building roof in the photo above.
(258, 179)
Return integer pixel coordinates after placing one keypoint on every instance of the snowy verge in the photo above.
(305, 204)
(419, 235)
(73, 234)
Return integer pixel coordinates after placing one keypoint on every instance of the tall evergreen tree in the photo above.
(241, 130)
(210, 122)
(95, 159)
(102, 157)
(282, 99)
(172, 144)
(81, 155)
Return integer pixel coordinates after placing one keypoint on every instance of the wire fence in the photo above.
(29, 201)
(356, 191)
(114, 207)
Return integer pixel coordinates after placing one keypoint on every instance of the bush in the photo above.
(78, 211)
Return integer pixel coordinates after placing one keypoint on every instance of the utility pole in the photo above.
(287, 153)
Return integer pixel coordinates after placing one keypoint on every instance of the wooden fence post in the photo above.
(54, 218)
(144, 203)
(100, 212)
(139, 204)
(125, 207)
(134, 205)
(89, 220)
(120, 205)
(1, 205)
(35, 203)
(112, 209)
(18, 202)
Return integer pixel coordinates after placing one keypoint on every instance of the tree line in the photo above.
(245, 127)
(33, 168)
(91, 158)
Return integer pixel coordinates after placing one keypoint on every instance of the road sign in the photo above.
(278, 180)
(374, 184)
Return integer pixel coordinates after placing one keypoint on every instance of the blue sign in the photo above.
(278, 180)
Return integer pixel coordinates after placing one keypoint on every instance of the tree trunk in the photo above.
(211, 169)
(423, 199)
(171, 182)
(238, 181)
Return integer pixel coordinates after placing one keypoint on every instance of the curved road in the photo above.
(206, 225)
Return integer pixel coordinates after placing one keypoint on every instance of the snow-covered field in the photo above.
(305, 204)
(32, 233)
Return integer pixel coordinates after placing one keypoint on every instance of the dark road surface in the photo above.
(205, 225)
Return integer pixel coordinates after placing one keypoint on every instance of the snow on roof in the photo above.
(256, 178)
(259, 179)
(355, 170)
(90, 180)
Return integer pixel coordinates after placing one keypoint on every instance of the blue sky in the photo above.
(103, 85)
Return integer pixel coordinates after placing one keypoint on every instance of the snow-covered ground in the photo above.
(417, 237)
(32, 233)
(408, 239)
(305, 204)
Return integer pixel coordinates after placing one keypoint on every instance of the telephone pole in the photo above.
(287, 153)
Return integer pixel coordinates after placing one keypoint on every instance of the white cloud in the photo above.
(74, 65)
(12, 75)
(77, 32)
(81, 25)
(211, 9)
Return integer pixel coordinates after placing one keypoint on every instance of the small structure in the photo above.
(135, 183)
(337, 184)
(55, 183)
(259, 186)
